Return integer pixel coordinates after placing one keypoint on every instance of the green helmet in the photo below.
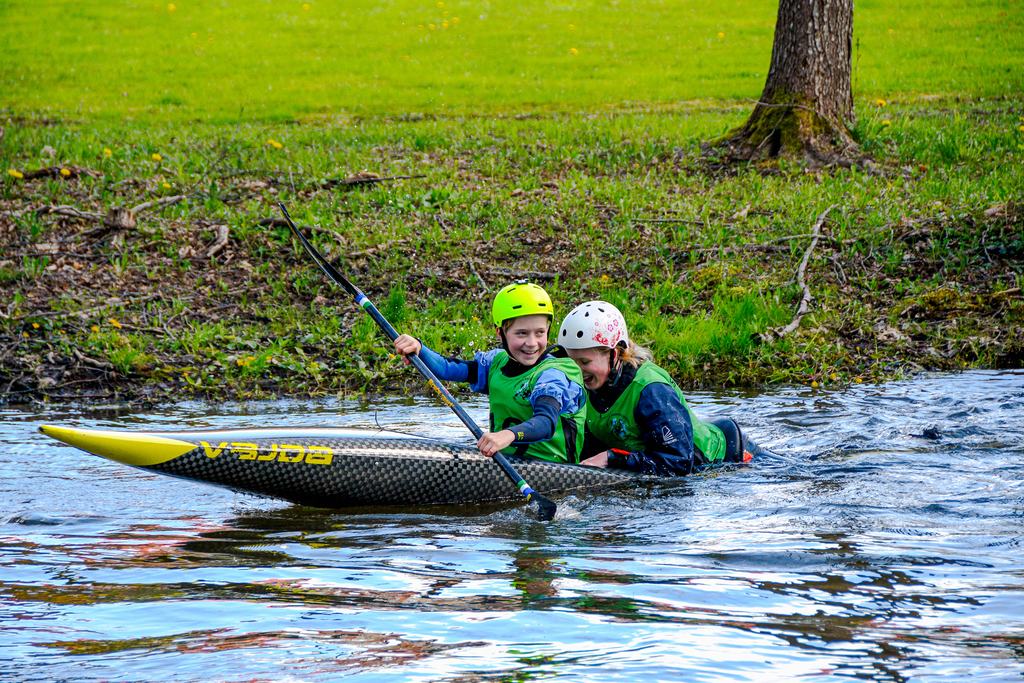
(522, 298)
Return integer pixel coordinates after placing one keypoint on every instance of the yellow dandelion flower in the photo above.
(306, 7)
(455, 21)
(886, 122)
(25, 335)
(65, 172)
(1021, 128)
(15, 173)
(440, 4)
(444, 24)
(274, 143)
(814, 384)
(573, 51)
(721, 35)
(833, 377)
(166, 186)
(107, 153)
(95, 328)
(156, 157)
(115, 322)
(35, 326)
(171, 7)
(880, 102)
(857, 380)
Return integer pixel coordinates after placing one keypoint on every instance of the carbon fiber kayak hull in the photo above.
(335, 468)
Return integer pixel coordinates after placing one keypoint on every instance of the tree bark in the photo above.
(806, 109)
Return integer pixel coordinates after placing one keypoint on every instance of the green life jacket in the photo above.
(509, 398)
(617, 426)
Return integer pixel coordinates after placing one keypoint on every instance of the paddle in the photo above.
(545, 508)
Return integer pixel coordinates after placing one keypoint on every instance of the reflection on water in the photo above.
(883, 543)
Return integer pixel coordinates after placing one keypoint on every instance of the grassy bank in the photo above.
(920, 265)
(560, 181)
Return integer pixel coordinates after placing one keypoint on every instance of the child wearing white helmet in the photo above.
(537, 401)
(637, 418)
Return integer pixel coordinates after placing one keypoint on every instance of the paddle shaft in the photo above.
(363, 302)
(418, 363)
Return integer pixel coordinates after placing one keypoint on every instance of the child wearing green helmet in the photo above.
(537, 401)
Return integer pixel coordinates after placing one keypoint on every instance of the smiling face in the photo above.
(595, 364)
(527, 338)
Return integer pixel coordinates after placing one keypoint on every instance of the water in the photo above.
(884, 543)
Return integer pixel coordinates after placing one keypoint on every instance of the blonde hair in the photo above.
(505, 324)
(636, 355)
(633, 354)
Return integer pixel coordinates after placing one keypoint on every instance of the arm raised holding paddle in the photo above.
(537, 401)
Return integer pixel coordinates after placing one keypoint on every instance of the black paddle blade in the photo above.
(545, 508)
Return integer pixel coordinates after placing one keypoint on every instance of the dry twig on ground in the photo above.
(806, 297)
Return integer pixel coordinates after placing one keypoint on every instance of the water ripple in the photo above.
(880, 542)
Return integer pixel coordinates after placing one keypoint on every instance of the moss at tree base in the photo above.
(788, 130)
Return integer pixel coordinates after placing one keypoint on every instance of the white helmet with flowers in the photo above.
(594, 323)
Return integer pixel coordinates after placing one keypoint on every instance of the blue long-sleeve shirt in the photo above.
(552, 395)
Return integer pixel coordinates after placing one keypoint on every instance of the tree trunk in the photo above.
(806, 109)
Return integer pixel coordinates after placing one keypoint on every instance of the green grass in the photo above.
(581, 170)
(266, 60)
(620, 209)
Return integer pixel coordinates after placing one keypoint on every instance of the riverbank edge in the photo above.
(199, 291)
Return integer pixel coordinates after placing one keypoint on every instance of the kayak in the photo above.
(336, 468)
